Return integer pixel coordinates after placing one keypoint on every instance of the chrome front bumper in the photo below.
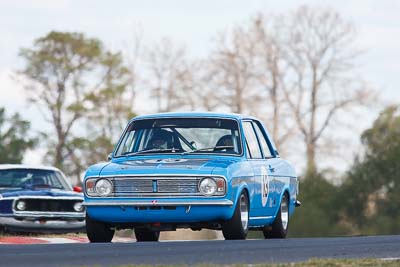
(49, 215)
(42, 226)
(141, 203)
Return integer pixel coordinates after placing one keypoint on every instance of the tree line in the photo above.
(296, 71)
(367, 201)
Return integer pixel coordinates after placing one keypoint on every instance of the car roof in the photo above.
(194, 115)
(23, 166)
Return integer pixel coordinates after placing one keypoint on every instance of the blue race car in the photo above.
(191, 170)
(39, 199)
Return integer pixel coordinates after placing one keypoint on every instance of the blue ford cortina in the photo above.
(191, 170)
(39, 199)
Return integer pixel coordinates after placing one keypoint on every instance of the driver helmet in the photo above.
(159, 140)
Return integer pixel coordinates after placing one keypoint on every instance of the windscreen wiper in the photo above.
(208, 148)
(149, 151)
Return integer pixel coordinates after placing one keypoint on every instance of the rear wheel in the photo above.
(98, 232)
(238, 226)
(281, 224)
(145, 235)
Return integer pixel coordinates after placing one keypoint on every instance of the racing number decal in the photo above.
(264, 186)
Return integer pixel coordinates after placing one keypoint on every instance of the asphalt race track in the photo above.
(197, 252)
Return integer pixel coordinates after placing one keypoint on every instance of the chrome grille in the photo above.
(178, 186)
(49, 205)
(129, 185)
(155, 186)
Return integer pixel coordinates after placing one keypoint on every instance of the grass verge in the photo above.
(310, 263)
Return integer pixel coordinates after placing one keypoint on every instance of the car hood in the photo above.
(39, 193)
(167, 166)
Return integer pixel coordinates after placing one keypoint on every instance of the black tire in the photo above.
(146, 235)
(280, 226)
(98, 232)
(238, 226)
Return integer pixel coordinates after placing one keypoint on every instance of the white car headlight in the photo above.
(78, 206)
(21, 205)
(104, 187)
(208, 186)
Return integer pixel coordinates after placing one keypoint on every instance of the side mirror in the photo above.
(77, 189)
(109, 156)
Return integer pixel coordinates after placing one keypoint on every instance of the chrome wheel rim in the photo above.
(244, 212)
(284, 212)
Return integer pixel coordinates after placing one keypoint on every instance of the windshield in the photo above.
(31, 178)
(181, 135)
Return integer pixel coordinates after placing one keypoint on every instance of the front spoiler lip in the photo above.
(141, 203)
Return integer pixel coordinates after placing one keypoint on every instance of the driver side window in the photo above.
(261, 137)
(251, 139)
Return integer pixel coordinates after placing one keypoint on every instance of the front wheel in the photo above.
(98, 232)
(281, 223)
(145, 235)
(238, 226)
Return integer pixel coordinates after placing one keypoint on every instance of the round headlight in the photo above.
(208, 186)
(103, 187)
(78, 206)
(21, 205)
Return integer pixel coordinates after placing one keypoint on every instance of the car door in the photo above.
(272, 163)
(261, 204)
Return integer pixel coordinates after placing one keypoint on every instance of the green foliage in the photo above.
(371, 191)
(85, 151)
(111, 106)
(82, 90)
(15, 138)
(59, 66)
(367, 202)
(317, 216)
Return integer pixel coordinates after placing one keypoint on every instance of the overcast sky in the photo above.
(193, 24)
